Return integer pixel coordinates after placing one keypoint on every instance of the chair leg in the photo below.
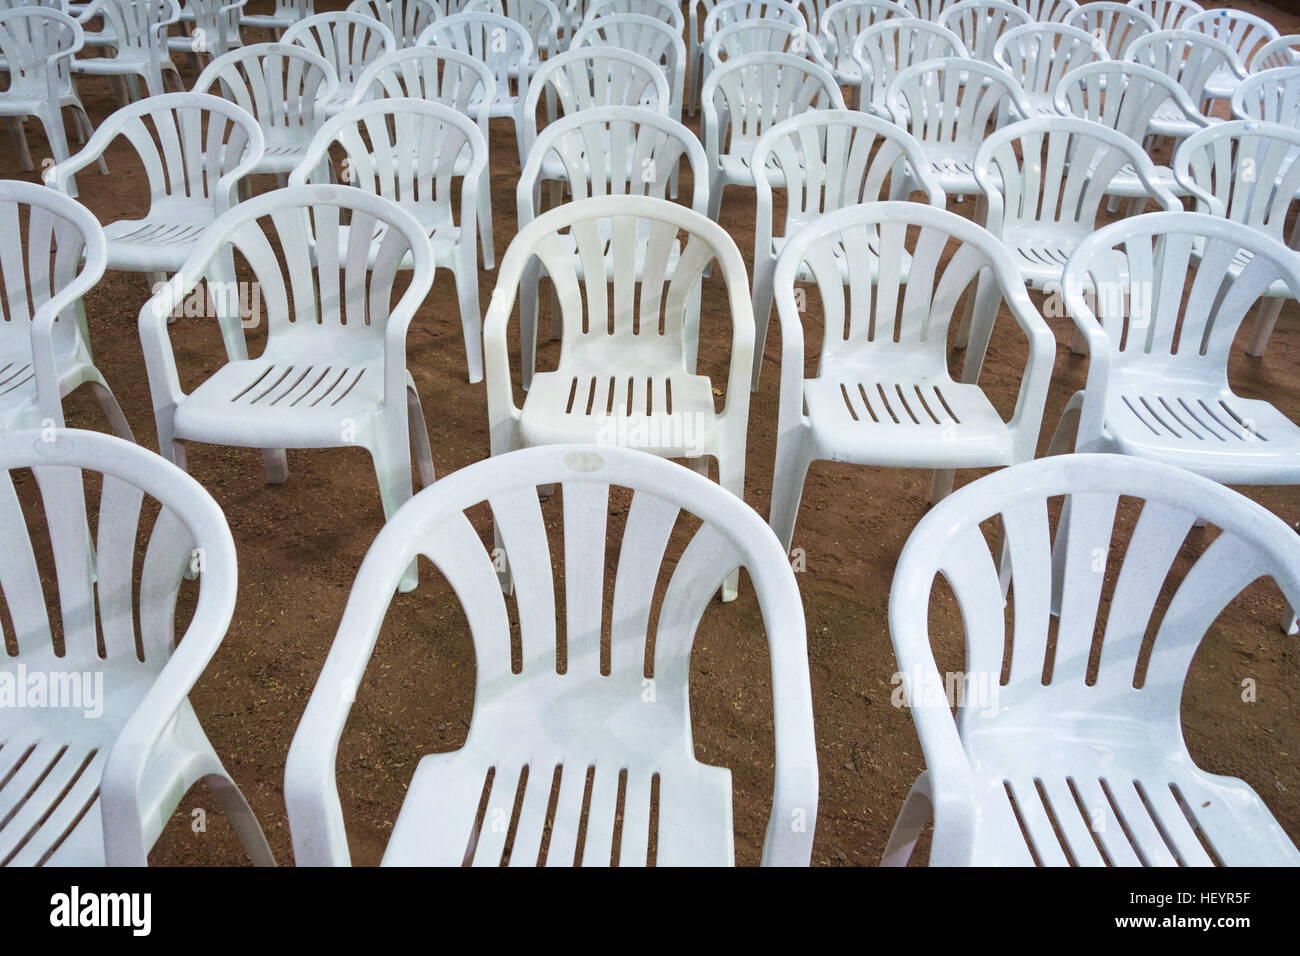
(793, 456)
(1066, 436)
(112, 411)
(85, 130)
(528, 288)
(486, 237)
(419, 435)
(20, 142)
(237, 810)
(392, 458)
(918, 810)
(716, 187)
(1290, 625)
(557, 314)
(56, 134)
(1265, 320)
(940, 485)
(471, 319)
(762, 314)
(276, 462)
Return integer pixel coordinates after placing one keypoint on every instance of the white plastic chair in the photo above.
(503, 46)
(746, 97)
(54, 254)
(1076, 762)
(700, 29)
(1048, 11)
(882, 394)
(333, 370)
(1193, 59)
(1037, 55)
(138, 30)
(1115, 24)
(455, 79)
(1284, 51)
(655, 40)
(664, 10)
(37, 45)
(213, 29)
(949, 105)
(195, 149)
(1248, 172)
(553, 736)
(841, 24)
(407, 19)
(587, 76)
(1157, 382)
(349, 41)
(830, 159)
(1168, 14)
(1244, 33)
(284, 15)
(95, 784)
(541, 18)
(980, 23)
(282, 86)
(1271, 96)
(1127, 97)
(727, 12)
(1044, 181)
(892, 45)
(605, 151)
(762, 36)
(624, 377)
(409, 151)
(928, 9)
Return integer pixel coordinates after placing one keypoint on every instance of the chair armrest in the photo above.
(42, 331)
(128, 759)
(229, 181)
(310, 785)
(1093, 413)
(503, 414)
(952, 782)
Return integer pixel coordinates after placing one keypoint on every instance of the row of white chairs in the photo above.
(419, 840)
(560, 264)
(1056, 770)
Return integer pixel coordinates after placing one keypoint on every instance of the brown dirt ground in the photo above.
(300, 544)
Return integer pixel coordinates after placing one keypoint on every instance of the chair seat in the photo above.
(914, 422)
(576, 726)
(1041, 253)
(161, 241)
(735, 164)
(1126, 183)
(1085, 775)
(282, 157)
(287, 402)
(12, 104)
(17, 392)
(129, 60)
(1223, 82)
(443, 234)
(1205, 429)
(872, 260)
(52, 759)
(1169, 120)
(587, 400)
(953, 165)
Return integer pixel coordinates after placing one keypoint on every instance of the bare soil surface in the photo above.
(300, 544)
